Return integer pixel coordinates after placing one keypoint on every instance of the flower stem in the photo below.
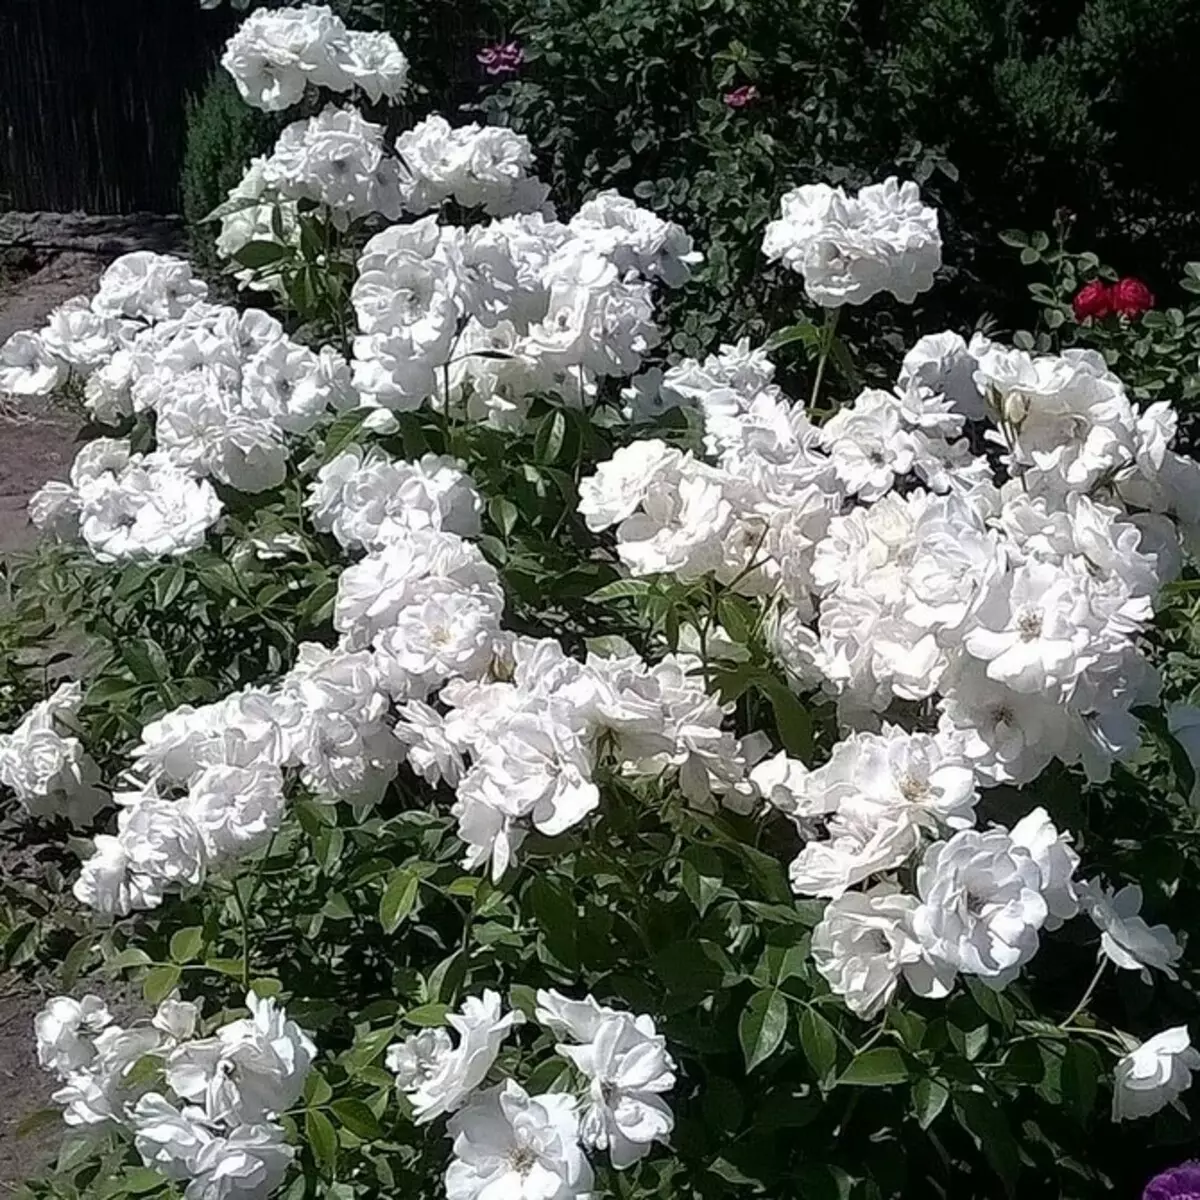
(1087, 995)
(241, 907)
(828, 333)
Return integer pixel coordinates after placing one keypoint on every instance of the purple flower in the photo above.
(504, 58)
(1179, 1183)
(742, 96)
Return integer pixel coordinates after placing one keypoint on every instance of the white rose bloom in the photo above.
(855, 852)
(981, 905)
(374, 63)
(54, 510)
(410, 567)
(205, 427)
(1154, 1075)
(46, 766)
(275, 54)
(293, 387)
(508, 1143)
(65, 1030)
(250, 1071)
(439, 1077)
(635, 238)
(431, 754)
(101, 1092)
(942, 363)
(1056, 861)
(242, 730)
(176, 1019)
(1033, 631)
(28, 367)
(153, 509)
(236, 809)
(364, 497)
(247, 1163)
(337, 159)
(621, 483)
(105, 884)
(849, 248)
(161, 845)
(864, 943)
(79, 337)
(1126, 940)
(627, 1065)
(147, 287)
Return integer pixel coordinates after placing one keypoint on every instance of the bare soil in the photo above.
(36, 444)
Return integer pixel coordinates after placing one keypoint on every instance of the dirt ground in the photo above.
(36, 444)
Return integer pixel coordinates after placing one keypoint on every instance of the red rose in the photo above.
(1094, 299)
(1131, 297)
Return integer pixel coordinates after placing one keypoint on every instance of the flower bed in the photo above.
(592, 773)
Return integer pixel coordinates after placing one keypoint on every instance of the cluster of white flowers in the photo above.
(850, 248)
(216, 1129)
(534, 1147)
(226, 389)
(966, 564)
(45, 764)
(208, 787)
(501, 311)
(277, 53)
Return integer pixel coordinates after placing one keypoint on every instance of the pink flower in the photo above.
(503, 58)
(742, 96)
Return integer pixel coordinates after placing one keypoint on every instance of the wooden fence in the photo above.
(92, 100)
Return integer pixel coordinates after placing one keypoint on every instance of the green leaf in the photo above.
(1081, 1071)
(805, 332)
(548, 442)
(791, 719)
(762, 1025)
(341, 433)
(819, 1181)
(160, 983)
(929, 1098)
(504, 513)
(255, 255)
(367, 1048)
(985, 1121)
(322, 1137)
(317, 1091)
(42, 1118)
(398, 898)
(427, 1015)
(701, 876)
(357, 1118)
(137, 1181)
(876, 1068)
(75, 960)
(819, 1042)
(621, 589)
(186, 944)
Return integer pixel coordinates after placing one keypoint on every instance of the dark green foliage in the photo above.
(223, 134)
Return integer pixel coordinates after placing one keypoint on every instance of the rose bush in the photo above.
(593, 772)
